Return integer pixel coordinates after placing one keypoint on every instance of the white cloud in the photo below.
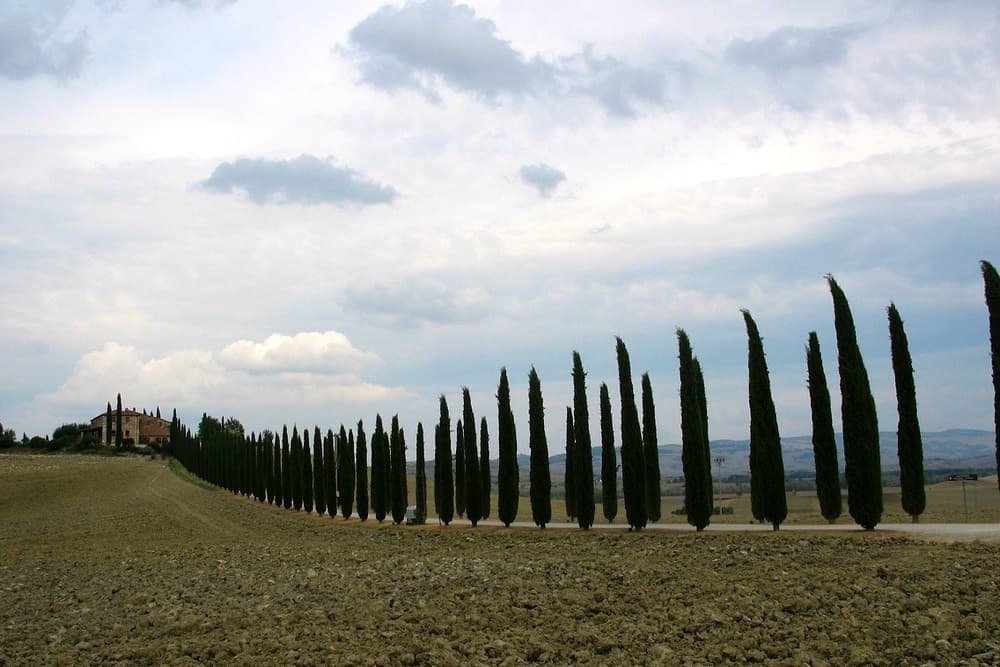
(313, 351)
(283, 377)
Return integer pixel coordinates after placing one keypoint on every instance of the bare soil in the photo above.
(120, 561)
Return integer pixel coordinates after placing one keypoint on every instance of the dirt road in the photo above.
(106, 561)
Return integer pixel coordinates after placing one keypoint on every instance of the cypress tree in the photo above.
(387, 476)
(397, 473)
(268, 452)
(278, 494)
(707, 495)
(991, 283)
(118, 424)
(319, 473)
(764, 436)
(360, 473)
(583, 458)
(693, 450)
(862, 465)
(298, 472)
(444, 479)
(633, 473)
(609, 462)
(459, 469)
(909, 443)
(823, 439)
(331, 473)
(507, 471)
(379, 500)
(473, 494)
(485, 487)
(107, 424)
(540, 478)
(421, 480)
(307, 472)
(286, 469)
(569, 479)
(650, 450)
(345, 469)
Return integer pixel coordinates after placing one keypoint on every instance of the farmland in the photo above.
(122, 561)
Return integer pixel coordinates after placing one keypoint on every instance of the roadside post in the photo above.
(963, 478)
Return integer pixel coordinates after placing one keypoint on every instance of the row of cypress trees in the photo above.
(332, 474)
(327, 477)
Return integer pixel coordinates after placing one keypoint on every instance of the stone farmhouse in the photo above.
(143, 429)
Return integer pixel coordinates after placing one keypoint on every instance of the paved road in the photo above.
(944, 532)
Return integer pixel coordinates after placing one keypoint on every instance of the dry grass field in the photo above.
(121, 561)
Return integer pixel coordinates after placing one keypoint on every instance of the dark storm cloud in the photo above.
(542, 177)
(31, 43)
(426, 44)
(302, 180)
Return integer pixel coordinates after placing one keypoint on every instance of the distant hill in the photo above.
(943, 450)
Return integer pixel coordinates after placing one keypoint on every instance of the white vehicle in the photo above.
(412, 518)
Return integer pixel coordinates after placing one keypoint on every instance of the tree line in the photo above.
(333, 474)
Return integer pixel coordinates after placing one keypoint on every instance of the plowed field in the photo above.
(120, 561)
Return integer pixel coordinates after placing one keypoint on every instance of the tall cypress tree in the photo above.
(356, 475)
(421, 481)
(397, 472)
(991, 283)
(319, 473)
(650, 450)
(332, 473)
(485, 487)
(823, 439)
(633, 473)
(583, 457)
(507, 472)
(444, 480)
(569, 479)
(862, 465)
(387, 477)
(693, 451)
(286, 469)
(118, 424)
(909, 443)
(459, 469)
(764, 436)
(344, 468)
(473, 494)
(708, 497)
(609, 460)
(307, 472)
(278, 494)
(298, 473)
(107, 424)
(379, 499)
(540, 477)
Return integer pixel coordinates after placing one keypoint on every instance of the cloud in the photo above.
(303, 180)
(420, 43)
(306, 368)
(790, 48)
(542, 177)
(408, 302)
(329, 351)
(32, 45)
(198, 4)
(425, 44)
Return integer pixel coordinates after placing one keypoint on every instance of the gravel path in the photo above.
(119, 561)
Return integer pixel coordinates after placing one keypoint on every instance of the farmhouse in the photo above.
(141, 428)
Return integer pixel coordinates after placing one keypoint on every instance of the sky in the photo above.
(314, 212)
